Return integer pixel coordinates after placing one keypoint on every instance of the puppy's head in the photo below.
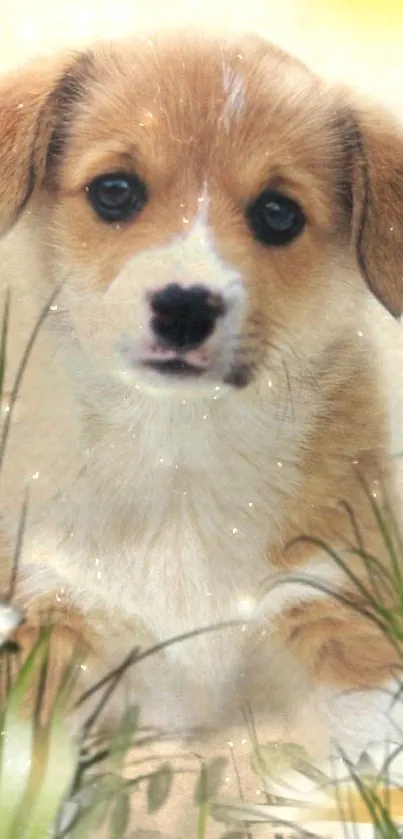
(201, 203)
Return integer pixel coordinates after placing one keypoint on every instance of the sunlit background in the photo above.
(358, 40)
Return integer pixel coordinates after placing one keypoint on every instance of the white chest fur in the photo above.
(170, 525)
(177, 508)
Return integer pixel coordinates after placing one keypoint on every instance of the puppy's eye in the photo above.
(275, 219)
(117, 197)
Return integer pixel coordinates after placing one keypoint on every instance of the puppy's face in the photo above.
(199, 202)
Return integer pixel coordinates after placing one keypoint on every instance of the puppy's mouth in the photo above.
(238, 376)
(175, 367)
(163, 367)
(177, 364)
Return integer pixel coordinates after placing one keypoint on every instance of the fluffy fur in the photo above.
(158, 507)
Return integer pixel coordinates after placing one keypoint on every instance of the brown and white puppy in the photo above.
(199, 397)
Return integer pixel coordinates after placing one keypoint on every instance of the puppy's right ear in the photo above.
(32, 103)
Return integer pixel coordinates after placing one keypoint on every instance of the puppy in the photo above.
(201, 424)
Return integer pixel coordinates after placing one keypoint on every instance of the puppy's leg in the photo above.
(353, 670)
(70, 655)
(74, 651)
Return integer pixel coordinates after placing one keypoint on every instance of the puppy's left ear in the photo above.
(33, 100)
(376, 160)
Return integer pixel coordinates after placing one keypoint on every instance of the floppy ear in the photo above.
(377, 204)
(31, 104)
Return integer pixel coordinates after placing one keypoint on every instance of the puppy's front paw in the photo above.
(60, 657)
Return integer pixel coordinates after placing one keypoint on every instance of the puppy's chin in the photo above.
(173, 382)
(187, 375)
(181, 382)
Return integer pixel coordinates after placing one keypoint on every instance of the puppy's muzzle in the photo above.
(182, 320)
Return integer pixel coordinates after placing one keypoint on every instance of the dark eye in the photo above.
(275, 219)
(117, 197)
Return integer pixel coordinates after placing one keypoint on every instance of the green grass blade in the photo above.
(383, 529)
(18, 739)
(60, 757)
(123, 738)
(159, 787)
(120, 816)
(3, 342)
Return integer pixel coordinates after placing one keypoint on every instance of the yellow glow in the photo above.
(362, 14)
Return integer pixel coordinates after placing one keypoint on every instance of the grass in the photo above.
(50, 782)
(54, 786)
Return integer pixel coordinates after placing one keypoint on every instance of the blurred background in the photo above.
(355, 40)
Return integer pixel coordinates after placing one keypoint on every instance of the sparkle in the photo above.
(29, 32)
(270, 383)
(279, 464)
(246, 607)
(230, 744)
(185, 220)
(54, 307)
(235, 530)
(35, 476)
(83, 667)
(250, 505)
(10, 618)
(360, 333)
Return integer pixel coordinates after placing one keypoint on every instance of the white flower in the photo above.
(327, 799)
(10, 618)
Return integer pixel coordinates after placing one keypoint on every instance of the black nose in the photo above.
(185, 317)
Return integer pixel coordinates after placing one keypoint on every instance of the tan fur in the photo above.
(155, 514)
(339, 646)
